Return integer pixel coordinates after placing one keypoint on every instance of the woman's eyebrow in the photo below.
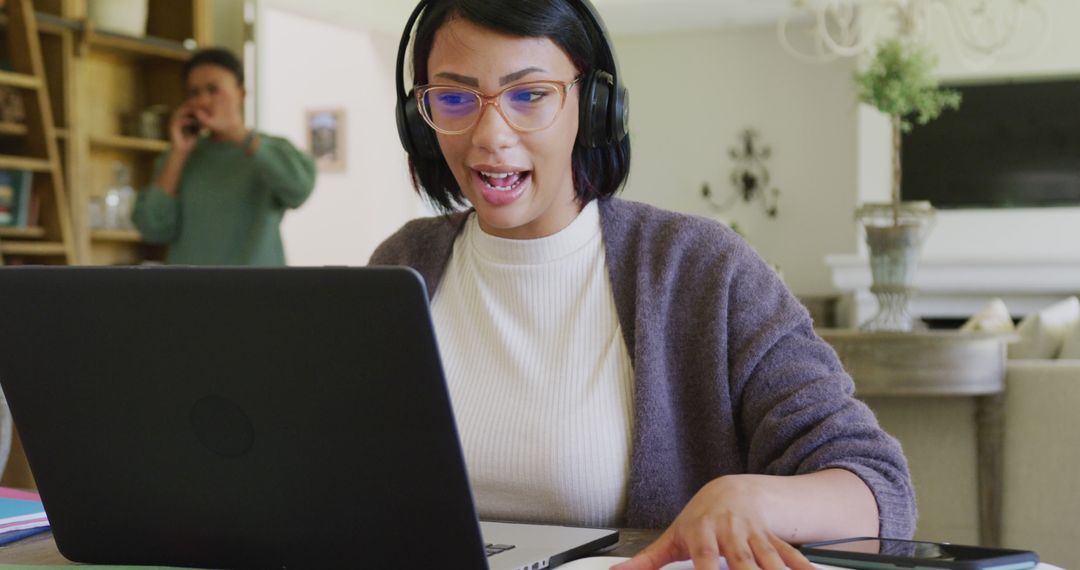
(474, 82)
(518, 75)
(459, 78)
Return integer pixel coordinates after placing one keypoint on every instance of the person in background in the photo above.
(218, 195)
(611, 363)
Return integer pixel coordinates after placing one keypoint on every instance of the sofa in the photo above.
(1041, 449)
(1042, 459)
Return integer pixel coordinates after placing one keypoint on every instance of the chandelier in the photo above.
(981, 29)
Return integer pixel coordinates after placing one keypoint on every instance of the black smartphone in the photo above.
(192, 126)
(888, 553)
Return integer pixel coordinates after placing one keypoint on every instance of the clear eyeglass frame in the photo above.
(562, 87)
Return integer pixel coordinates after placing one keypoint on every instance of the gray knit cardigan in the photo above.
(729, 376)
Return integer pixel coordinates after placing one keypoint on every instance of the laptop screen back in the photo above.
(284, 418)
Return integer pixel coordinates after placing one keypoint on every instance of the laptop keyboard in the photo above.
(493, 549)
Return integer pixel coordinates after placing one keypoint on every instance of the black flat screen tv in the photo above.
(1010, 145)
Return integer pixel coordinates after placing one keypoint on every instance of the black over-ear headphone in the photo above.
(604, 111)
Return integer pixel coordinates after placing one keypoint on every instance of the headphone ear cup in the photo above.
(620, 115)
(416, 136)
(593, 122)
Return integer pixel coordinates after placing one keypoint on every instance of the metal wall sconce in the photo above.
(749, 178)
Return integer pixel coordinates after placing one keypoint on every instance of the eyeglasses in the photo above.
(526, 107)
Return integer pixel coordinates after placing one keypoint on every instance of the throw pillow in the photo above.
(1042, 334)
(1071, 349)
(993, 317)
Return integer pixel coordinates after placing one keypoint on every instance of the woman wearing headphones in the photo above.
(610, 363)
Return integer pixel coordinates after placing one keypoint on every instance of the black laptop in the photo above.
(247, 418)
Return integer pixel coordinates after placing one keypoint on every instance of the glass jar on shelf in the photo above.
(118, 203)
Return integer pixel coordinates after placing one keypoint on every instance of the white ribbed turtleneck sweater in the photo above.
(538, 373)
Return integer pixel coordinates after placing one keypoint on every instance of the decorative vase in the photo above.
(895, 236)
(126, 17)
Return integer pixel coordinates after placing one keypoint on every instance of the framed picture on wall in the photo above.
(326, 138)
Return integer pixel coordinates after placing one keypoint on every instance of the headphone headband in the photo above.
(403, 49)
(586, 8)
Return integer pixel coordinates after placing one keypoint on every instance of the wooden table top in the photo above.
(41, 549)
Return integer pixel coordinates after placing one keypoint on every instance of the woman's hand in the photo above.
(184, 129)
(728, 517)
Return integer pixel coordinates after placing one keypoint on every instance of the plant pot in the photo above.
(895, 237)
(126, 17)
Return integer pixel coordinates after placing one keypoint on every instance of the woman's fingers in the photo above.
(703, 544)
(662, 551)
(703, 547)
(791, 555)
(735, 542)
(765, 553)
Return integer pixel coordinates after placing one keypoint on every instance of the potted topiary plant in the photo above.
(899, 82)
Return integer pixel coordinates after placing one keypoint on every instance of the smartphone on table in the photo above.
(896, 554)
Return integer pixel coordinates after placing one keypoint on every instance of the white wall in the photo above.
(1045, 233)
(692, 94)
(368, 15)
(310, 64)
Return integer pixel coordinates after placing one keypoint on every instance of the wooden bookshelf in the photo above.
(9, 162)
(121, 236)
(90, 36)
(138, 48)
(47, 23)
(35, 232)
(129, 143)
(32, 144)
(12, 129)
(32, 248)
(20, 80)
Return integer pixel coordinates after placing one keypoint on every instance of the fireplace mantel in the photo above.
(957, 288)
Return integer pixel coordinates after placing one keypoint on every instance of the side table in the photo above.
(940, 364)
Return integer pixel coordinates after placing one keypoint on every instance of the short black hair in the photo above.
(598, 172)
(220, 57)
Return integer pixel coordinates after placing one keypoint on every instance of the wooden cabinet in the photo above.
(97, 80)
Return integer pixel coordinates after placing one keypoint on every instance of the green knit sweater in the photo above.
(228, 207)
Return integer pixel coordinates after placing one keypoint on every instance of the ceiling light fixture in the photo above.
(981, 29)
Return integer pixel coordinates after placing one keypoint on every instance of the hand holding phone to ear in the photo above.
(186, 126)
(184, 132)
(184, 129)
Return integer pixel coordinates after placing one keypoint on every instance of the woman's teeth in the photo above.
(502, 181)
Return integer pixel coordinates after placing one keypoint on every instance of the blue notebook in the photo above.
(9, 537)
(12, 508)
(20, 517)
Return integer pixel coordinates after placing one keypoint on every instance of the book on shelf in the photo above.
(9, 203)
(21, 515)
(16, 198)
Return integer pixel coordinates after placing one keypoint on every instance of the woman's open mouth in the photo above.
(501, 188)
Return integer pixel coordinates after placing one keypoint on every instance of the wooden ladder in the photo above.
(55, 239)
